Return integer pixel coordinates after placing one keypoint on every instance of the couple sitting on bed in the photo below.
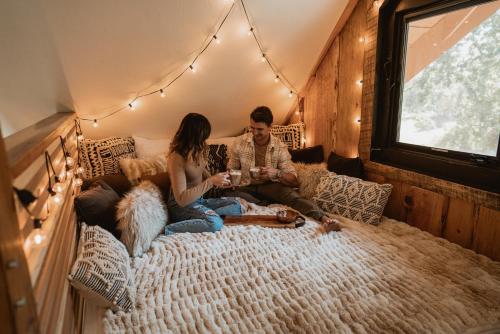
(187, 163)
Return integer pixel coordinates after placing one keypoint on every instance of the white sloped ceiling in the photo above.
(111, 50)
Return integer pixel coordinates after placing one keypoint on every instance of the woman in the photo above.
(187, 161)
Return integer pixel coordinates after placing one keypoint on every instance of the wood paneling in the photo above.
(487, 233)
(459, 220)
(426, 210)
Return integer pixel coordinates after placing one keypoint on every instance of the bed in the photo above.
(390, 278)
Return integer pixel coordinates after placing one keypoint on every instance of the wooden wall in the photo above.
(334, 100)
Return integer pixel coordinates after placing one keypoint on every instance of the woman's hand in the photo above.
(221, 180)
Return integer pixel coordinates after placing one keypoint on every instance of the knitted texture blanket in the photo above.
(390, 278)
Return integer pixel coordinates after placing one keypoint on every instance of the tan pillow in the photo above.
(141, 217)
(135, 169)
(352, 197)
(309, 176)
(102, 270)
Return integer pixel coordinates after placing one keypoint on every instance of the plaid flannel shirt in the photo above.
(242, 156)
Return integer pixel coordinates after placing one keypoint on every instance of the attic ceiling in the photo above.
(111, 51)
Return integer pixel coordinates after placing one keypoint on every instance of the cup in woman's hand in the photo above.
(255, 172)
(235, 176)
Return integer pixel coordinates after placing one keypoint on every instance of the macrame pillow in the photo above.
(292, 135)
(102, 156)
(352, 198)
(102, 270)
(141, 217)
(135, 169)
(217, 163)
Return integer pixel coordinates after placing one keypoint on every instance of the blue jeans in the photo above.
(201, 216)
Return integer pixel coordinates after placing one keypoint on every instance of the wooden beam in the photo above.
(15, 279)
(25, 146)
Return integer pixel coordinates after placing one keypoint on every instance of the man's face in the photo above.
(260, 130)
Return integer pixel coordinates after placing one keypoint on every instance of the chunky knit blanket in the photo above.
(390, 278)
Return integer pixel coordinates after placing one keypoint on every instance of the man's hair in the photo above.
(262, 114)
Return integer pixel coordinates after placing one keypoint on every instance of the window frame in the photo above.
(473, 170)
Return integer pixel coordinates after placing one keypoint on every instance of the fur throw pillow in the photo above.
(134, 169)
(141, 217)
(309, 176)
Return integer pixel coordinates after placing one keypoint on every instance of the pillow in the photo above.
(135, 169)
(217, 162)
(309, 176)
(150, 147)
(141, 216)
(101, 271)
(345, 166)
(352, 198)
(100, 157)
(309, 155)
(228, 141)
(292, 135)
(97, 206)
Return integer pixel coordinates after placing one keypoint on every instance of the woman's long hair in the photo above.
(189, 140)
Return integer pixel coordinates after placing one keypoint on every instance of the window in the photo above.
(438, 90)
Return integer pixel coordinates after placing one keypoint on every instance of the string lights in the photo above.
(279, 77)
(38, 235)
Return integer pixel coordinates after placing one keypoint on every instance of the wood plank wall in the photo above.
(333, 101)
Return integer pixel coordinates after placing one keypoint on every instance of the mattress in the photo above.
(390, 278)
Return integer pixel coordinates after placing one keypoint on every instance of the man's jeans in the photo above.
(204, 215)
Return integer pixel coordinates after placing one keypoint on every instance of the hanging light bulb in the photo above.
(162, 93)
(37, 236)
(191, 67)
(95, 123)
(290, 94)
(250, 32)
(358, 120)
(69, 173)
(277, 78)
(78, 182)
(57, 199)
(62, 176)
(79, 137)
(263, 58)
(361, 39)
(80, 170)
(359, 82)
(131, 106)
(217, 40)
(70, 161)
(58, 187)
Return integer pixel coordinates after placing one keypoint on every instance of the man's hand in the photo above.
(268, 173)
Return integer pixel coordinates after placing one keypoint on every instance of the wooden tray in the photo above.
(261, 220)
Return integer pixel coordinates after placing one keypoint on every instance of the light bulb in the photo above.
(78, 182)
(37, 237)
(70, 161)
(297, 112)
(217, 40)
(62, 175)
(358, 120)
(277, 78)
(250, 31)
(69, 173)
(263, 58)
(361, 39)
(80, 170)
(290, 94)
(162, 93)
(359, 82)
(131, 106)
(95, 123)
(58, 187)
(191, 67)
(79, 137)
(57, 199)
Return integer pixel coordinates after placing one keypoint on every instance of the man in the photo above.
(277, 177)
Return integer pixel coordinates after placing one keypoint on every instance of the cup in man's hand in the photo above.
(255, 172)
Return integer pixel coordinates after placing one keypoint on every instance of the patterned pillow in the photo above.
(352, 198)
(102, 156)
(217, 163)
(292, 134)
(102, 270)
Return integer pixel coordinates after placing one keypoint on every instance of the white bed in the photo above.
(390, 278)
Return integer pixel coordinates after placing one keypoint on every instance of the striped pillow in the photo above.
(352, 198)
(102, 270)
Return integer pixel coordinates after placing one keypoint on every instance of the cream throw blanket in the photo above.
(390, 278)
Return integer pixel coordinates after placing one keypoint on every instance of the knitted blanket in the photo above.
(390, 278)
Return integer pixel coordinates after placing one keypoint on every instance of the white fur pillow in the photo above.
(141, 217)
(134, 169)
(309, 176)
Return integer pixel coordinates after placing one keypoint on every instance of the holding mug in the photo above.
(235, 176)
(255, 172)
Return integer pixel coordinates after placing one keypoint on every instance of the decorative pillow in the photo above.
(309, 176)
(228, 141)
(142, 216)
(309, 155)
(345, 166)
(150, 147)
(102, 270)
(100, 157)
(135, 169)
(217, 162)
(292, 134)
(352, 198)
(97, 206)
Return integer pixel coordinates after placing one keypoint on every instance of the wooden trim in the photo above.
(26, 145)
(16, 279)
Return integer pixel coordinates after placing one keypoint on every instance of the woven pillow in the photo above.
(102, 270)
(141, 217)
(101, 156)
(309, 176)
(217, 163)
(352, 198)
(135, 169)
(292, 135)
